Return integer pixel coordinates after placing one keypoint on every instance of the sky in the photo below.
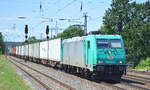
(50, 13)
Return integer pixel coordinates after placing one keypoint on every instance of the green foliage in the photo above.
(118, 14)
(71, 31)
(132, 21)
(32, 40)
(137, 42)
(2, 45)
(144, 64)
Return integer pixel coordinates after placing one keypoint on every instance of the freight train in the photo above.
(100, 56)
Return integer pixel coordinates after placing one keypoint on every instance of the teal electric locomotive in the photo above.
(100, 55)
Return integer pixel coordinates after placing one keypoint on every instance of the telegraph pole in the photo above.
(85, 23)
(56, 28)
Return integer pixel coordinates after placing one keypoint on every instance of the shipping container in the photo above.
(13, 50)
(44, 50)
(31, 50)
(54, 50)
(73, 52)
(16, 50)
(26, 50)
(22, 50)
(36, 50)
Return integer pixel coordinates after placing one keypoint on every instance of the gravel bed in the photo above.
(138, 74)
(29, 81)
(137, 78)
(42, 78)
(128, 86)
(71, 80)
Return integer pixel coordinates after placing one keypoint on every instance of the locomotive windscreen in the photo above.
(115, 43)
(108, 43)
(102, 43)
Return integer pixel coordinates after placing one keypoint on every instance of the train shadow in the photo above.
(131, 82)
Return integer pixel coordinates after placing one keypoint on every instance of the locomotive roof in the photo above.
(74, 39)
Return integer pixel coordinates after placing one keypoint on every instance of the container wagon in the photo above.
(92, 55)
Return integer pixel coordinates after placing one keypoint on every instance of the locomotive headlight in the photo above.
(100, 62)
(120, 62)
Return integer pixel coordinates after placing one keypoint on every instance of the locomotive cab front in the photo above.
(108, 55)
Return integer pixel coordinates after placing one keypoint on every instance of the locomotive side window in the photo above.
(115, 43)
(102, 43)
(88, 44)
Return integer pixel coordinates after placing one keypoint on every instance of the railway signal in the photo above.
(26, 32)
(47, 31)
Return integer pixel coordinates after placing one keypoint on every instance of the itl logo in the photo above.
(110, 57)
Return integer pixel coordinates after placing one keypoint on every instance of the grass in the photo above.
(9, 79)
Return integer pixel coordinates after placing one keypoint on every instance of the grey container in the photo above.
(73, 53)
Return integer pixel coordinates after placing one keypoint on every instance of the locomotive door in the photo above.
(87, 52)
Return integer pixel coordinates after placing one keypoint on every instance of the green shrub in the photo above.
(144, 64)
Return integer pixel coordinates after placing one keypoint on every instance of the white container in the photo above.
(44, 50)
(22, 50)
(31, 50)
(26, 50)
(36, 50)
(19, 47)
(54, 50)
(73, 53)
(17, 50)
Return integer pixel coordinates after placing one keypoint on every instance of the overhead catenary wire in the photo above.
(38, 25)
(68, 4)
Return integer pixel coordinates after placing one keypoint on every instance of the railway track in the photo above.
(41, 78)
(138, 72)
(88, 85)
(121, 85)
(127, 85)
(138, 78)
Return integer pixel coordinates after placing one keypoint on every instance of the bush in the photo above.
(144, 64)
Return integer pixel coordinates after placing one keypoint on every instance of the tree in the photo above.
(2, 45)
(117, 16)
(137, 42)
(132, 21)
(71, 31)
(32, 40)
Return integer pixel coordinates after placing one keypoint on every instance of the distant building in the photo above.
(9, 45)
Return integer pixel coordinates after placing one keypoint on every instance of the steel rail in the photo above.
(60, 83)
(44, 85)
